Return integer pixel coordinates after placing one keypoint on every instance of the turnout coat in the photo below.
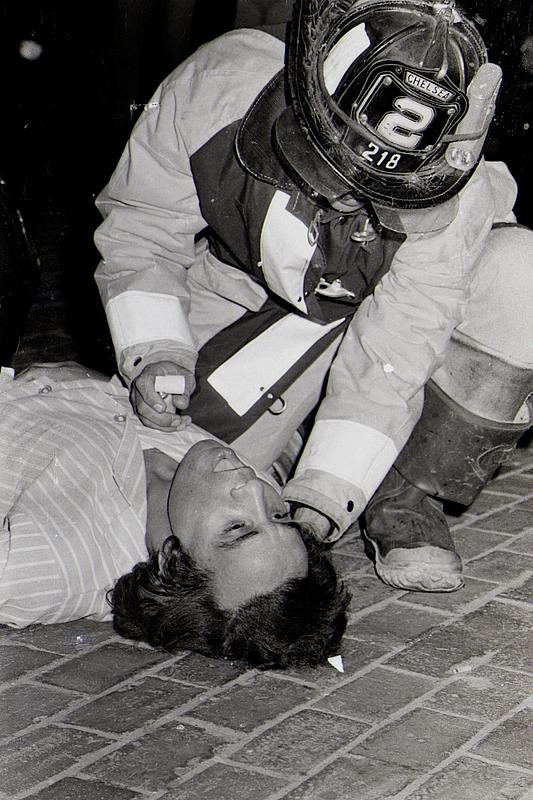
(207, 246)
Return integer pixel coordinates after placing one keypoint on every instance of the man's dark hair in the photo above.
(167, 601)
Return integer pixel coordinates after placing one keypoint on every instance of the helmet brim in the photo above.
(302, 158)
(269, 130)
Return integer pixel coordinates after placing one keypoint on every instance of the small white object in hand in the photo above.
(336, 663)
(169, 384)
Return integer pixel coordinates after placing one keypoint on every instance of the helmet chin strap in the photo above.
(345, 202)
(348, 203)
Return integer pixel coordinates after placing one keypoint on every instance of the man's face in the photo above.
(233, 525)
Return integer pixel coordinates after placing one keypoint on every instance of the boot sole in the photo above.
(420, 569)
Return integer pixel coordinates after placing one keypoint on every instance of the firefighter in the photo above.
(313, 241)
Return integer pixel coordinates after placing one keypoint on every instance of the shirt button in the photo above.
(120, 418)
(45, 389)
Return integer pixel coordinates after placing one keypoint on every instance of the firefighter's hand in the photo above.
(160, 409)
(319, 525)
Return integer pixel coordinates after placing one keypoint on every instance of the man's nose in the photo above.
(251, 492)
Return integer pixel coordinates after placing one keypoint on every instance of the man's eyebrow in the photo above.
(226, 544)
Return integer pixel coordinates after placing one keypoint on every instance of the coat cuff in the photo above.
(133, 360)
(337, 499)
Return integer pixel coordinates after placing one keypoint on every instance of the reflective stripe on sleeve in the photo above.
(135, 317)
(350, 451)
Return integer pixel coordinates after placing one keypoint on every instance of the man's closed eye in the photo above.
(239, 533)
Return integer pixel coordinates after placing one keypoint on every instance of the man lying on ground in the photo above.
(187, 544)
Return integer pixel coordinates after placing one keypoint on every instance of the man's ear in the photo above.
(168, 557)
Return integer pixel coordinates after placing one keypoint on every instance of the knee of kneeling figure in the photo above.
(499, 314)
(510, 248)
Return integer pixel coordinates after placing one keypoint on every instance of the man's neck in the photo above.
(160, 470)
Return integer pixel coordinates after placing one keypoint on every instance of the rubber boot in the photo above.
(451, 455)
(407, 536)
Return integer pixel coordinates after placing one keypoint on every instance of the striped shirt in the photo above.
(72, 494)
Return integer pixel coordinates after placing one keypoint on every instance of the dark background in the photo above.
(67, 115)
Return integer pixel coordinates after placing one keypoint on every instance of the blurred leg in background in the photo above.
(19, 275)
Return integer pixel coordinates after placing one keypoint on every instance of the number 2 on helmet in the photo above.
(404, 126)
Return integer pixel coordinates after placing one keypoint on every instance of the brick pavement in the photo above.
(435, 702)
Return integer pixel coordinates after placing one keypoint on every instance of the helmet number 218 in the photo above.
(381, 158)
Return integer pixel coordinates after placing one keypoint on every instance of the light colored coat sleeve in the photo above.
(397, 339)
(151, 216)
(150, 206)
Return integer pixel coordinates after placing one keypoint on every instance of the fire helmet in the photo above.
(390, 100)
